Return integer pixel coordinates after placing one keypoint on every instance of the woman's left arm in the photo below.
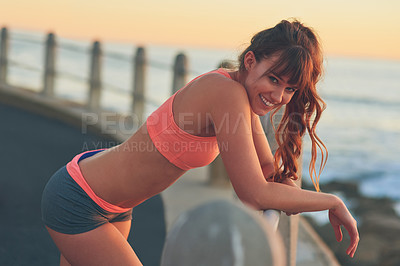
(264, 152)
(261, 144)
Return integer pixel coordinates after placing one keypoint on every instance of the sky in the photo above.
(366, 28)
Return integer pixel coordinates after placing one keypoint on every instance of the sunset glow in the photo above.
(351, 28)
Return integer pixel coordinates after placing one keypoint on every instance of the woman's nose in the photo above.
(277, 95)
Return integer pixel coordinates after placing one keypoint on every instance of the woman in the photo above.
(87, 205)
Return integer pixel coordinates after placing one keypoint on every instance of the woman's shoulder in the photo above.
(216, 89)
(215, 80)
(211, 99)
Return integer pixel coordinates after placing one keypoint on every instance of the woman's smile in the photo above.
(266, 102)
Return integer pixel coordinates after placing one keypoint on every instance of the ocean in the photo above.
(360, 127)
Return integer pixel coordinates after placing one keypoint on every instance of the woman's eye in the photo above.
(273, 79)
(290, 89)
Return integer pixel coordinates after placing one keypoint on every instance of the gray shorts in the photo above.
(66, 208)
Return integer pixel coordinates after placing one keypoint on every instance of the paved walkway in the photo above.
(32, 149)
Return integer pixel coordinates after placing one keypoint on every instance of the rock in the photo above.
(378, 224)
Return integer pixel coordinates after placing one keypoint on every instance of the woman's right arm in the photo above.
(231, 115)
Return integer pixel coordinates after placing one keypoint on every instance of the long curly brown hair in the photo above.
(300, 58)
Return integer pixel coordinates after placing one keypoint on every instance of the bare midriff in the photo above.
(135, 170)
(131, 172)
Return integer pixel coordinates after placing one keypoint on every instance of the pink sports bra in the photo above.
(182, 149)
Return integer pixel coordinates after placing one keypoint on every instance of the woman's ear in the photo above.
(249, 60)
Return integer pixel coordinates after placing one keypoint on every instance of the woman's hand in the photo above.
(338, 216)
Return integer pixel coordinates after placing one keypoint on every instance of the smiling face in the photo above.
(266, 90)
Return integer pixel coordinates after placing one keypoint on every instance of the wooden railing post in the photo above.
(139, 82)
(288, 226)
(218, 177)
(95, 78)
(49, 66)
(217, 173)
(289, 230)
(180, 72)
(228, 64)
(4, 55)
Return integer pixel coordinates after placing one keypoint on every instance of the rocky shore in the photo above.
(378, 224)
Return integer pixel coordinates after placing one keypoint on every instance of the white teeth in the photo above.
(267, 103)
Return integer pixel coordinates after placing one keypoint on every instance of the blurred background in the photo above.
(361, 40)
